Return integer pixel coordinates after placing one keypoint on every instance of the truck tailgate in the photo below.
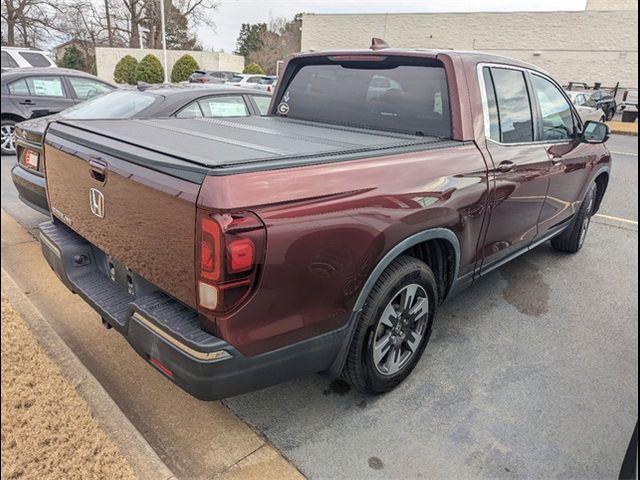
(144, 219)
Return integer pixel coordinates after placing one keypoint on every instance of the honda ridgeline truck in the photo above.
(236, 253)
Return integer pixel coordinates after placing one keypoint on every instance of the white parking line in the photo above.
(617, 219)
(625, 153)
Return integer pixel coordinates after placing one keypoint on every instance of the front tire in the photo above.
(394, 327)
(572, 239)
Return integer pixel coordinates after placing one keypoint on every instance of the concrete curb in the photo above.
(136, 450)
(624, 128)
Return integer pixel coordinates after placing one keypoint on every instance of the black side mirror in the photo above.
(595, 132)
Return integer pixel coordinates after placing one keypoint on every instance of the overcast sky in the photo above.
(232, 13)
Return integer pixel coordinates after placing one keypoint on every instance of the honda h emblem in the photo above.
(96, 202)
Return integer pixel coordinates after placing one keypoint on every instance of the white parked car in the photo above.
(245, 80)
(267, 84)
(586, 107)
(18, 57)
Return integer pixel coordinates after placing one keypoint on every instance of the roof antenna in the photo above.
(378, 44)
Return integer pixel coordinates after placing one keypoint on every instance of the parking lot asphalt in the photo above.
(532, 372)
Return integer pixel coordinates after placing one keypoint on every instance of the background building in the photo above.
(597, 45)
(107, 58)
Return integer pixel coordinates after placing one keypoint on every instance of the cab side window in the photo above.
(492, 105)
(514, 106)
(557, 116)
(509, 104)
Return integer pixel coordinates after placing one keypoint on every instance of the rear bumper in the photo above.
(168, 335)
(31, 188)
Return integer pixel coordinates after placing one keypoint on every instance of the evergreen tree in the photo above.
(73, 58)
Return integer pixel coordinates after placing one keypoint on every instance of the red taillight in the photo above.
(241, 253)
(229, 257)
(269, 89)
(210, 249)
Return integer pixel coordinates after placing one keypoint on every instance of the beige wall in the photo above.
(590, 46)
(107, 58)
(612, 5)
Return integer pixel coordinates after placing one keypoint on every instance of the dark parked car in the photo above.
(35, 92)
(210, 76)
(324, 236)
(212, 101)
(606, 102)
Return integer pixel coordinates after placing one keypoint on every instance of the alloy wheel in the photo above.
(400, 329)
(8, 139)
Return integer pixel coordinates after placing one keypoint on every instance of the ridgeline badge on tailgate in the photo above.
(96, 202)
(65, 218)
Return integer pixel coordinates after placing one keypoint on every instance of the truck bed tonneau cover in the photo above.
(204, 146)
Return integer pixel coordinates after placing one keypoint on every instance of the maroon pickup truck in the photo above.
(237, 253)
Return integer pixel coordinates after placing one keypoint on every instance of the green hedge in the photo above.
(184, 67)
(125, 71)
(149, 70)
(253, 69)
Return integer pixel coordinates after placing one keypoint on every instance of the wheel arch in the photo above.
(403, 246)
(11, 116)
(442, 234)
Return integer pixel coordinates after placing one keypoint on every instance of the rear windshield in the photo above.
(395, 94)
(35, 59)
(116, 104)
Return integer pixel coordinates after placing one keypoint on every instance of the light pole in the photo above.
(164, 43)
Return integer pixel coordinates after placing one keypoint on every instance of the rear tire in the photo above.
(8, 145)
(629, 117)
(572, 239)
(393, 328)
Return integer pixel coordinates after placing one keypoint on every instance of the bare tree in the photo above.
(103, 22)
(28, 22)
(280, 39)
(197, 12)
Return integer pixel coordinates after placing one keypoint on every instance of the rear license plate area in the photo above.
(121, 275)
